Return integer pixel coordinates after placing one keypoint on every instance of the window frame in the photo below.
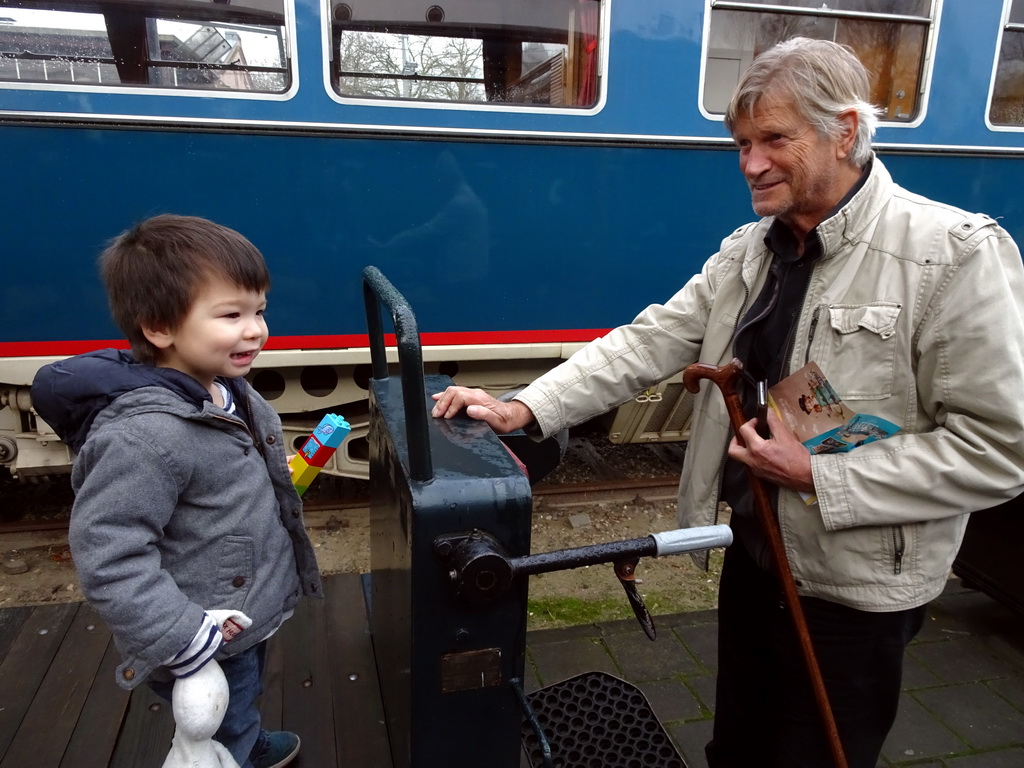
(601, 93)
(931, 21)
(1004, 25)
(290, 53)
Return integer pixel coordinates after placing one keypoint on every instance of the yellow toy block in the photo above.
(302, 473)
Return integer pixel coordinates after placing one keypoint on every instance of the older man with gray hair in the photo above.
(901, 301)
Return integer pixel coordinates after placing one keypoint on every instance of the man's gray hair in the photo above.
(823, 79)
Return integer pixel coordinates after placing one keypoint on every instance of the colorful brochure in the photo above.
(812, 409)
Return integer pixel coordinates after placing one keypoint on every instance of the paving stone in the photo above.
(530, 680)
(692, 619)
(1009, 647)
(702, 642)
(977, 714)
(1004, 758)
(963, 660)
(641, 660)
(624, 627)
(959, 612)
(542, 636)
(975, 612)
(690, 739)
(917, 735)
(939, 626)
(671, 700)
(1011, 689)
(916, 675)
(559, 661)
(704, 685)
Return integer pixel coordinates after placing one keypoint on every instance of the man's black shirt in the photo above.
(763, 342)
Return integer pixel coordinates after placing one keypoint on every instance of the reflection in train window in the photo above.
(889, 36)
(1008, 90)
(468, 51)
(184, 44)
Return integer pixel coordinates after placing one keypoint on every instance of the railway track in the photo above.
(592, 469)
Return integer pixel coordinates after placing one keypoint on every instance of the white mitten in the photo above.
(199, 703)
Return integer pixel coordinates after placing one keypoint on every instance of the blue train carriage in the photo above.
(529, 173)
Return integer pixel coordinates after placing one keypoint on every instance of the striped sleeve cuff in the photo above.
(193, 656)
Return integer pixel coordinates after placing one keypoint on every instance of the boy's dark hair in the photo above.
(153, 272)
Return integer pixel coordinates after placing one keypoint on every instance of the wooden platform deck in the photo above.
(962, 704)
(60, 706)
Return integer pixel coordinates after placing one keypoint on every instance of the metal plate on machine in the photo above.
(470, 670)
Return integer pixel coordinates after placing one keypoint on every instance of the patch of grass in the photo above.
(551, 612)
(556, 612)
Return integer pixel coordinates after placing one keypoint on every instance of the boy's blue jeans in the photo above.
(240, 729)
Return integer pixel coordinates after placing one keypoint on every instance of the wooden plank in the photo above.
(271, 703)
(11, 621)
(99, 723)
(50, 720)
(26, 663)
(306, 684)
(146, 735)
(324, 717)
(361, 730)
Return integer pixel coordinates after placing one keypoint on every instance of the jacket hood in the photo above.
(69, 394)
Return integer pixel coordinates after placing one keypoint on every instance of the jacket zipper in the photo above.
(810, 333)
(899, 544)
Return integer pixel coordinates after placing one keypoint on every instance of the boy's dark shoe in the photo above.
(278, 749)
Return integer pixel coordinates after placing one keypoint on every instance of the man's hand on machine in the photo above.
(502, 417)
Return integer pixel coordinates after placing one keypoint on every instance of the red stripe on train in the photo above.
(341, 341)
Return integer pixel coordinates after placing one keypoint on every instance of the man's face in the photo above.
(793, 172)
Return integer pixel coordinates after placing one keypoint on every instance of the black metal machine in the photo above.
(450, 556)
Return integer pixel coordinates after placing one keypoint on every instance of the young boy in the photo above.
(184, 502)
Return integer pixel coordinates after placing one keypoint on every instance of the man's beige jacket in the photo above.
(915, 313)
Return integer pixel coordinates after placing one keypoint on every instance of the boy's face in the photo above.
(221, 335)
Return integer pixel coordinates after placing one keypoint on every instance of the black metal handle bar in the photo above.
(377, 289)
(481, 570)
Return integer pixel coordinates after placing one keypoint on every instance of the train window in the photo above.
(486, 51)
(1007, 106)
(181, 44)
(889, 36)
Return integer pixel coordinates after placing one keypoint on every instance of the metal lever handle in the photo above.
(480, 569)
(626, 571)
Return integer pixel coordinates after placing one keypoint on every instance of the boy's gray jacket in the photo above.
(179, 509)
(914, 314)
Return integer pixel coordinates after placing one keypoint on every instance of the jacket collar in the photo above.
(71, 393)
(849, 222)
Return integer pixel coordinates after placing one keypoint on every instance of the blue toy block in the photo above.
(317, 450)
(331, 431)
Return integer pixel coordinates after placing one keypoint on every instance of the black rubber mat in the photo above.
(595, 720)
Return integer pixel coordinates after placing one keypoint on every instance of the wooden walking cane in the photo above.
(725, 377)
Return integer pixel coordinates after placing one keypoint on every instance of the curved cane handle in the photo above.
(724, 376)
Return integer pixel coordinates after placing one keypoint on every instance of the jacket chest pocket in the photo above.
(859, 351)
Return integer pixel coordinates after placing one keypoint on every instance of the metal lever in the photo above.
(480, 570)
(626, 571)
